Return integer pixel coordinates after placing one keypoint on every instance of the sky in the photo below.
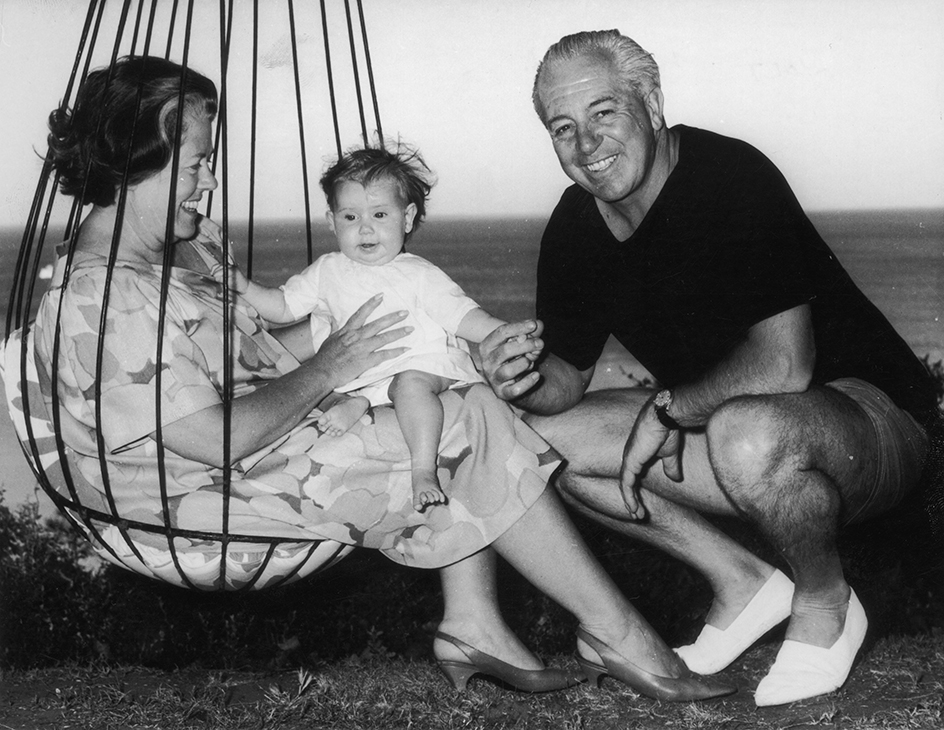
(846, 96)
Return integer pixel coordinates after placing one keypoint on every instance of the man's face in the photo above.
(603, 134)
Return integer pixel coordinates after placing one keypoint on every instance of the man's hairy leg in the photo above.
(591, 437)
(788, 462)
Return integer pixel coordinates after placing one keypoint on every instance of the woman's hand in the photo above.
(261, 417)
(356, 346)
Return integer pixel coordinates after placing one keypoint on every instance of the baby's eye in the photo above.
(380, 214)
(349, 217)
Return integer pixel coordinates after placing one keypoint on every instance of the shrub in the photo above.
(41, 578)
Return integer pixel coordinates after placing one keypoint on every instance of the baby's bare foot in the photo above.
(426, 489)
(338, 419)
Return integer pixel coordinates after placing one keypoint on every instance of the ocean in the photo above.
(896, 257)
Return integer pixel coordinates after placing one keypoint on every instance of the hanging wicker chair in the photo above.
(208, 561)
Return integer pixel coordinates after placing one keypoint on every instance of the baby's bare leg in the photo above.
(415, 398)
(340, 413)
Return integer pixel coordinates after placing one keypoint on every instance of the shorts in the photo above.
(902, 447)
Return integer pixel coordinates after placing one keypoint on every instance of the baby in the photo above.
(376, 200)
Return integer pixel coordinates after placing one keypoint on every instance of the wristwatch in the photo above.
(661, 403)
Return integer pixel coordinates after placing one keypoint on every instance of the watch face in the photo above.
(663, 399)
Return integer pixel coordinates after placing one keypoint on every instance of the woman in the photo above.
(285, 477)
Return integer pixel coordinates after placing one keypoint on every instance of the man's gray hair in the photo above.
(635, 66)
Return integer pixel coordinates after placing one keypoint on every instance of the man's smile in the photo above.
(600, 165)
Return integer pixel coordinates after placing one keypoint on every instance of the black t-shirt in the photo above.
(725, 245)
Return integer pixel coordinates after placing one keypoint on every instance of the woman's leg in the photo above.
(415, 398)
(471, 613)
(545, 547)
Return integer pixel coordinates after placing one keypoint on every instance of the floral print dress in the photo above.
(354, 489)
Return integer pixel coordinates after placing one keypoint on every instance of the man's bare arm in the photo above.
(518, 371)
(777, 356)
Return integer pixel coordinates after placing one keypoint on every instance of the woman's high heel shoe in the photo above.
(671, 689)
(526, 680)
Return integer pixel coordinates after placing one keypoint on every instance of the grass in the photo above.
(352, 650)
(897, 684)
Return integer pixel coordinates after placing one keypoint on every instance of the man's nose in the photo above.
(588, 138)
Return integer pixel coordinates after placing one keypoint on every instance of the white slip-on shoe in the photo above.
(715, 649)
(803, 670)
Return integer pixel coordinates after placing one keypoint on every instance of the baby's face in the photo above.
(370, 222)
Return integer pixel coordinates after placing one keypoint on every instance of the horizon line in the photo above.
(457, 217)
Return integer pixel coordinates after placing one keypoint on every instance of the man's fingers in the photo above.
(631, 496)
(671, 455)
(672, 466)
(510, 331)
(515, 388)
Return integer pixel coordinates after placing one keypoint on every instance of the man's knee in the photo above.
(748, 440)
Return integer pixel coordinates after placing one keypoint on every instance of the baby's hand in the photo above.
(237, 279)
(531, 355)
(209, 231)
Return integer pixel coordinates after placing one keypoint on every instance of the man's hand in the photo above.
(508, 355)
(648, 440)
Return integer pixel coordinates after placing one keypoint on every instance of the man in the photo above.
(786, 397)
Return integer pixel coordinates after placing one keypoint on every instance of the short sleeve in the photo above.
(573, 294)
(301, 291)
(441, 298)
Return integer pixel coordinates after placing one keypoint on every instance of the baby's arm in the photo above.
(268, 301)
(477, 325)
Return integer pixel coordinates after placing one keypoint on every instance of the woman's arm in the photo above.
(297, 339)
(261, 417)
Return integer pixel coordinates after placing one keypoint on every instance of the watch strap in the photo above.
(661, 403)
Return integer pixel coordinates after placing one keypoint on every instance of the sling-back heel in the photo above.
(685, 688)
(525, 680)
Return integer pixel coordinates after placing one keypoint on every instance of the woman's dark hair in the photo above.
(402, 165)
(91, 143)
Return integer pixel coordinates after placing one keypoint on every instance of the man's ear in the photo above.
(409, 214)
(329, 216)
(654, 104)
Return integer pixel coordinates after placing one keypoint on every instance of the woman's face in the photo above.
(147, 201)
